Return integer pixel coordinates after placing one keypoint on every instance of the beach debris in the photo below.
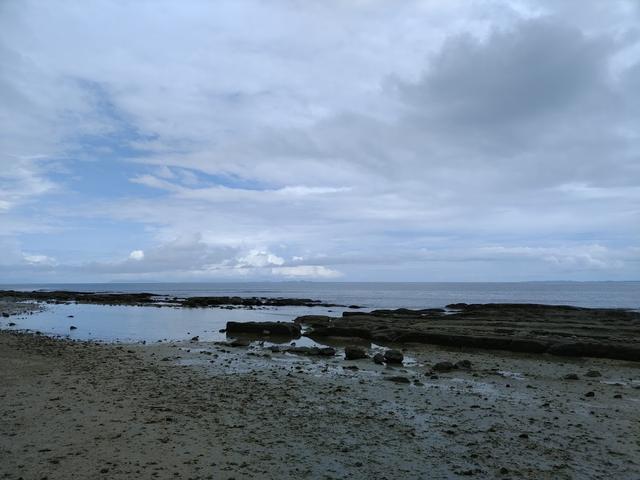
(355, 353)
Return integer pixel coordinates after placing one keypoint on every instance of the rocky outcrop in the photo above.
(527, 328)
(141, 299)
(288, 329)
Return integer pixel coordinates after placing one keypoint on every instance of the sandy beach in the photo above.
(201, 410)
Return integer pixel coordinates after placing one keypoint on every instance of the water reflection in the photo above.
(150, 324)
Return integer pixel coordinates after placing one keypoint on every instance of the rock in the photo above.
(443, 367)
(289, 329)
(5, 314)
(393, 356)
(239, 342)
(378, 358)
(398, 379)
(590, 394)
(463, 365)
(571, 376)
(195, 339)
(355, 353)
(593, 374)
(327, 351)
(617, 395)
(73, 327)
(11, 324)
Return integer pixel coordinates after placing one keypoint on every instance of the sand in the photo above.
(197, 410)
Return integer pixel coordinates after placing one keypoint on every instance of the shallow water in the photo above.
(150, 324)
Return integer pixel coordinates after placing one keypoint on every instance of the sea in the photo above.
(148, 324)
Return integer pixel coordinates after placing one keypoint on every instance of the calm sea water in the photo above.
(124, 323)
(391, 295)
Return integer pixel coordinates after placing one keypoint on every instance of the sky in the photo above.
(330, 140)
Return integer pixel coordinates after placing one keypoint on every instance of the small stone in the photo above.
(593, 374)
(378, 358)
(73, 327)
(571, 376)
(504, 471)
(399, 379)
(195, 339)
(443, 367)
(464, 365)
(590, 394)
(240, 342)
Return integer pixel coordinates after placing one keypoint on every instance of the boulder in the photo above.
(393, 356)
(355, 353)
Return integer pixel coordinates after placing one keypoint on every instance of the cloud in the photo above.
(307, 271)
(367, 138)
(136, 255)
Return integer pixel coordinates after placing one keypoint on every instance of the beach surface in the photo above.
(198, 410)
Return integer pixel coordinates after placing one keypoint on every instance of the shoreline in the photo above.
(199, 410)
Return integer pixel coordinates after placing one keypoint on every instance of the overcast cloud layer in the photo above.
(332, 140)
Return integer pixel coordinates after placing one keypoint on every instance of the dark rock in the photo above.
(463, 365)
(571, 376)
(593, 374)
(590, 394)
(398, 379)
(11, 324)
(393, 356)
(195, 339)
(378, 358)
(274, 328)
(443, 367)
(5, 314)
(355, 353)
(73, 327)
(239, 342)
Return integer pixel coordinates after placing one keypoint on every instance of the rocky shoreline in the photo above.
(530, 328)
(76, 410)
(151, 299)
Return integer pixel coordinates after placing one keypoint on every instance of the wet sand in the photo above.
(199, 410)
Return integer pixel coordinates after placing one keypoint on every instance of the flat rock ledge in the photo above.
(529, 328)
(288, 329)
